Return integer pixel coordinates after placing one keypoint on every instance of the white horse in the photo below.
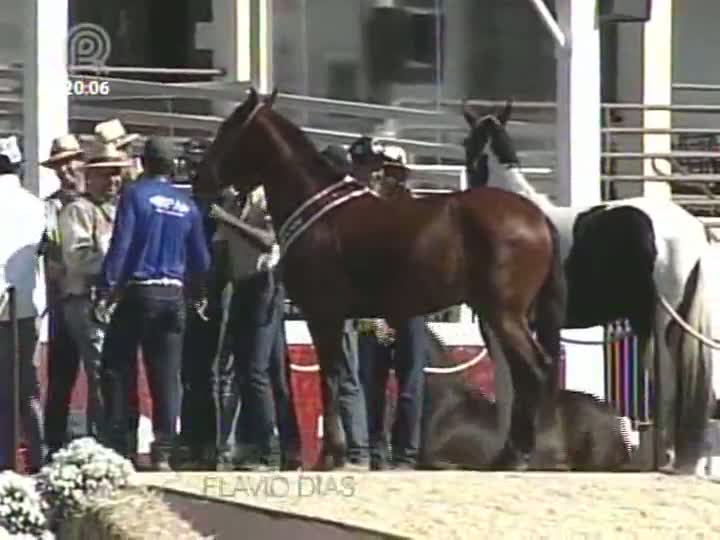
(642, 259)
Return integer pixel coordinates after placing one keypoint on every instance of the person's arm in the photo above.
(115, 262)
(262, 239)
(79, 249)
(197, 257)
(222, 273)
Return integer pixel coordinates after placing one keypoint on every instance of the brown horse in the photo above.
(461, 429)
(347, 253)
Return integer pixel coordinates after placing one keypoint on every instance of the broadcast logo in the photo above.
(88, 45)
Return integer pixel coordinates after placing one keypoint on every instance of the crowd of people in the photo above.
(120, 259)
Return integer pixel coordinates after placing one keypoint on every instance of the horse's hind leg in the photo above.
(327, 339)
(508, 335)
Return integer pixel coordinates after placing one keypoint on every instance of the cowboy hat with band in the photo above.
(63, 148)
(107, 156)
(113, 132)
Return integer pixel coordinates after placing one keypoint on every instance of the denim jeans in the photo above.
(30, 416)
(63, 364)
(353, 413)
(200, 347)
(260, 366)
(88, 336)
(152, 317)
(408, 356)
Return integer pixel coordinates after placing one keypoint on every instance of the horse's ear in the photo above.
(504, 115)
(271, 99)
(469, 114)
(252, 97)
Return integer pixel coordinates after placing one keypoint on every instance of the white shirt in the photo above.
(22, 222)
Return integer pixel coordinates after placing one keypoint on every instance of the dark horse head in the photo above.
(233, 157)
(487, 144)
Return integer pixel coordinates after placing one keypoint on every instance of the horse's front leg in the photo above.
(327, 339)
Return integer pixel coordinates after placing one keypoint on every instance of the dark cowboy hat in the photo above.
(338, 157)
(362, 148)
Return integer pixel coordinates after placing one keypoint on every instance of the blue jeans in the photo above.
(408, 356)
(260, 365)
(152, 317)
(353, 413)
(200, 348)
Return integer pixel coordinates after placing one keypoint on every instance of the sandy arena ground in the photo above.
(470, 505)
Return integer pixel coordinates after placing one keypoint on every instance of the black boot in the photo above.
(160, 454)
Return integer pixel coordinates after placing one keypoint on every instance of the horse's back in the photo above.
(680, 238)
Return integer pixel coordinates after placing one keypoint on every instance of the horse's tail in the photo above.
(550, 307)
(695, 396)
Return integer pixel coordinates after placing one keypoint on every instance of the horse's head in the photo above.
(233, 159)
(488, 146)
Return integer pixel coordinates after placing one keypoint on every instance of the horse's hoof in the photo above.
(512, 460)
(678, 470)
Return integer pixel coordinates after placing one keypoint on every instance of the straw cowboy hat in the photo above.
(104, 156)
(10, 149)
(113, 132)
(65, 147)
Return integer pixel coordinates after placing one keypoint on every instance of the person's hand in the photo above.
(200, 306)
(104, 302)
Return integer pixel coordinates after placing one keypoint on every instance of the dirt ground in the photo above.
(470, 505)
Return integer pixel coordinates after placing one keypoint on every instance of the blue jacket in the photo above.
(158, 233)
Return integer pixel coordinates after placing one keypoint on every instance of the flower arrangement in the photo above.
(22, 509)
(81, 473)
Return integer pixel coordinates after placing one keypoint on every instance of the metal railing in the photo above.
(679, 175)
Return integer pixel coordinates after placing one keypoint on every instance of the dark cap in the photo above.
(159, 150)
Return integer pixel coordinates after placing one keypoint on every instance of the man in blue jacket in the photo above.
(157, 253)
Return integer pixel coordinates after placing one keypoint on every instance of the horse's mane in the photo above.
(304, 152)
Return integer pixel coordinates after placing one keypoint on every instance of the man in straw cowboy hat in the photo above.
(158, 244)
(22, 218)
(86, 226)
(66, 160)
(113, 132)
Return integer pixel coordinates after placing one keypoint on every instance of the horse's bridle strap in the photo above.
(294, 225)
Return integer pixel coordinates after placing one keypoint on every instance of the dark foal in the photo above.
(464, 430)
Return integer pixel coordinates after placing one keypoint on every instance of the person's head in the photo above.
(66, 159)
(158, 157)
(10, 155)
(339, 158)
(104, 171)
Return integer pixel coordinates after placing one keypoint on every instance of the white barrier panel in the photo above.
(584, 364)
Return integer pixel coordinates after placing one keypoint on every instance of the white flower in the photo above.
(81, 473)
(22, 510)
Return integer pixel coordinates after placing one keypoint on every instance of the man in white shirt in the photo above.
(22, 217)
